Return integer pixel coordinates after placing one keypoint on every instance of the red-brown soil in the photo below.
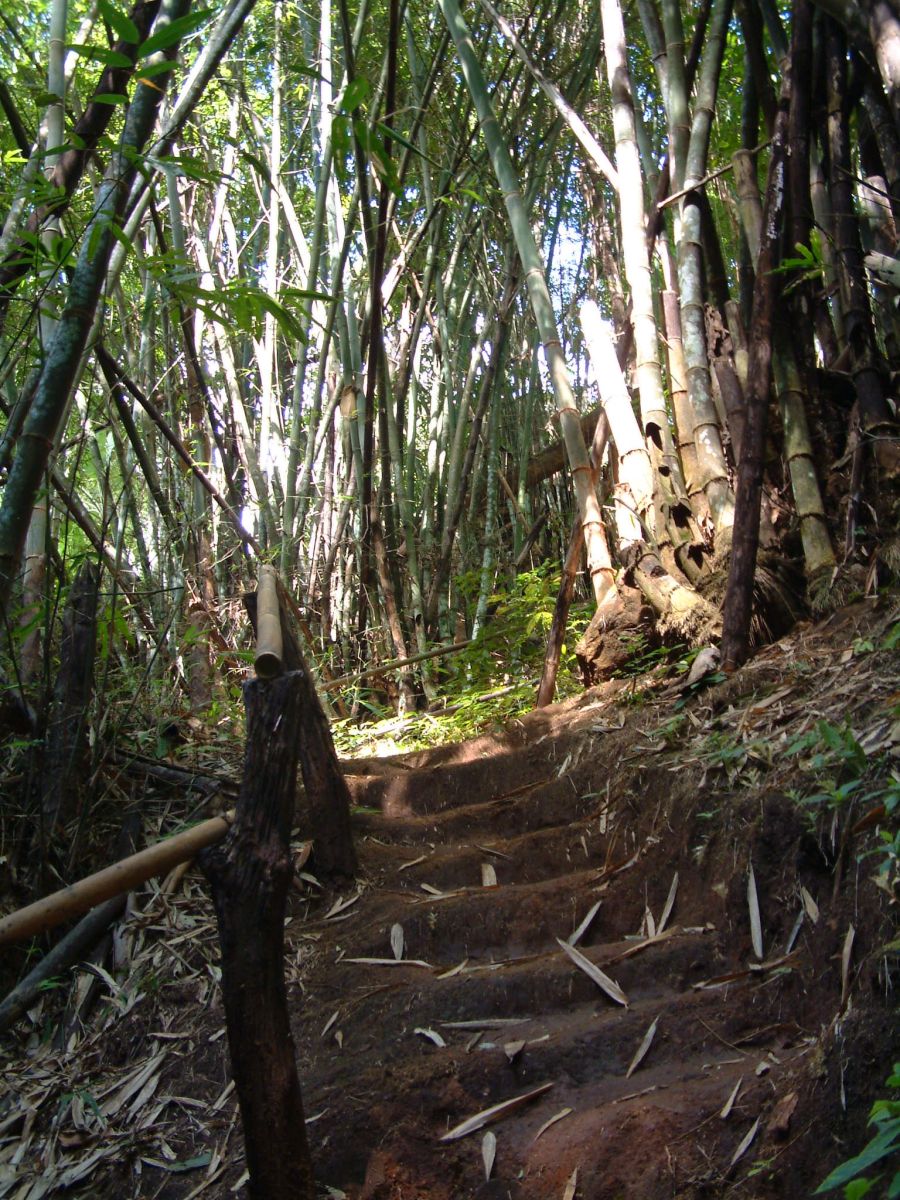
(599, 800)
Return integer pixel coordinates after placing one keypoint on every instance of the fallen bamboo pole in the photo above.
(112, 881)
(393, 665)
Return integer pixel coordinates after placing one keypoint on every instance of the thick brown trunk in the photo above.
(557, 633)
(249, 874)
(738, 606)
(67, 727)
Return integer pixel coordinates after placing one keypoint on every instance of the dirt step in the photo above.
(528, 986)
(547, 804)
(680, 1087)
(510, 920)
(529, 858)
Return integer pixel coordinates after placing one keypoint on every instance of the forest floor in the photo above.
(632, 829)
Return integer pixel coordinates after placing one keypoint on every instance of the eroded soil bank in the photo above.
(714, 1056)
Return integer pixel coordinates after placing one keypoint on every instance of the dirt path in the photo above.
(482, 858)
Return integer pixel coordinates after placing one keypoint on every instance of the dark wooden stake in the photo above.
(327, 793)
(249, 874)
(547, 687)
(738, 605)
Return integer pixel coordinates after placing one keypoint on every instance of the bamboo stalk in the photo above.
(268, 630)
(122, 876)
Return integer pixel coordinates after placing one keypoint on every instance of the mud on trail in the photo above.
(712, 1054)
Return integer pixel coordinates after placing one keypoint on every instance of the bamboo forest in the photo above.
(449, 492)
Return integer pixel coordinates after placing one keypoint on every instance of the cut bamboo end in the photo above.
(269, 648)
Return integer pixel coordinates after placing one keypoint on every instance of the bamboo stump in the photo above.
(249, 874)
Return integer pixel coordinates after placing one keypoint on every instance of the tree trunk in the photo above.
(249, 874)
(67, 727)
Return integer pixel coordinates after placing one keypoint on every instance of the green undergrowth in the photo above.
(482, 686)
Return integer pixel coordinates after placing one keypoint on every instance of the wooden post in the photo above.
(557, 633)
(249, 874)
(327, 793)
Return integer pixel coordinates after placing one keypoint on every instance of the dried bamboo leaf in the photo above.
(513, 1049)
(132, 1086)
(413, 862)
(491, 850)
(453, 970)
(754, 969)
(488, 1152)
(487, 1023)
(331, 1020)
(669, 904)
(391, 962)
(846, 954)
(432, 891)
(432, 1035)
(729, 1103)
(488, 875)
(812, 909)
(480, 1119)
(609, 986)
(223, 1096)
(571, 1186)
(795, 930)
(576, 936)
(755, 921)
(563, 1112)
(397, 941)
(642, 1049)
(746, 1143)
(340, 905)
(143, 1096)
(653, 941)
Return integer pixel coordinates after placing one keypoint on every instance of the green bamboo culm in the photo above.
(538, 293)
(59, 368)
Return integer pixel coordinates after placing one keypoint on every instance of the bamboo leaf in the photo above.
(109, 58)
(391, 962)
(755, 922)
(120, 22)
(488, 875)
(729, 1103)
(812, 909)
(488, 1152)
(563, 1112)
(846, 955)
(432, 1035)
(169, 35)
(746, 1143)
(642, 1049)
(397, 941)
(602, 981)
(582, 928)
(669, 905)
(413, 862)
(356, 91)
(331, 1020)
(453, 970)
(494, 1113)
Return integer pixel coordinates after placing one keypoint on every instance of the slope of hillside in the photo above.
(565, 914)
